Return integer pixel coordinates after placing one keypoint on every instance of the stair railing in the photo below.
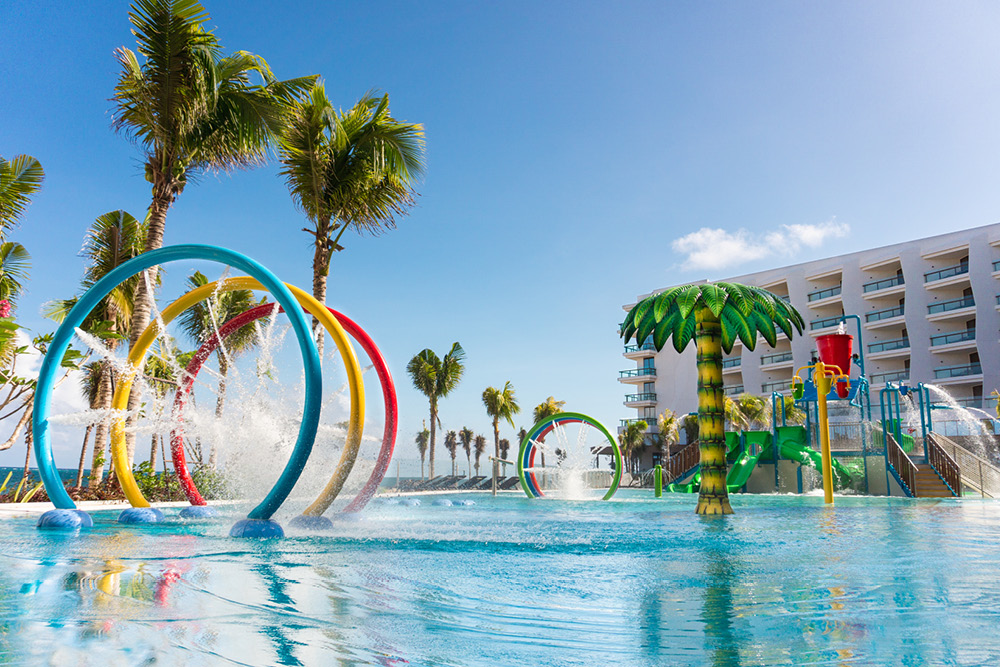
(976, 472)
(945, 466)
(681, 462)
(902, 467)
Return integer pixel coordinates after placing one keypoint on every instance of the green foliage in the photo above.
(436, 377)
(743, 313)
(501, 403)
(20, 178)
(548, 408)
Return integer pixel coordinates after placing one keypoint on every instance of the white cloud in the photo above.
(715, 249)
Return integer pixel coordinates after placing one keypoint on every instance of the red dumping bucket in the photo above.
(835, 350)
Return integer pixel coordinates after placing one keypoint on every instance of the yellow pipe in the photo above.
(823, 382)
(119, 451)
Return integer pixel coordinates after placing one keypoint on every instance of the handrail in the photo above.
(902, 467)
(977, 473)
(945, 466)
(882, 284)
(681, 462)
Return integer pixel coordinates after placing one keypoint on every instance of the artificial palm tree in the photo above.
(715, 315)
(422, 438)
(500, 404)
(435, 378)
(466, 436)
(632, 441)
(202, 321)
(347, 169)
(480, 447)
(112, 240)
(451, 444)
(190, 109)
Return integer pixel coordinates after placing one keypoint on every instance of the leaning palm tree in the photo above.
(422, 438)
(436, 378)
(112, 240)
(480, 447)
(632, 441)
(202, 321)
(715, 315)
(466, 436)
(189, 109)
(347, 169)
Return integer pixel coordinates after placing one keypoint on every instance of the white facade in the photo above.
(929, 310)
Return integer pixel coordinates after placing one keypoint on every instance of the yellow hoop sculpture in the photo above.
(119, 450)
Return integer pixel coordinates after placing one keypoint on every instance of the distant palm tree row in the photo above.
(189, 108)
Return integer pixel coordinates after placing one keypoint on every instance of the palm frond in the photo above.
(20, 178)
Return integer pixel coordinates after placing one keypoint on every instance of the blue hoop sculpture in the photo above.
(258, 522)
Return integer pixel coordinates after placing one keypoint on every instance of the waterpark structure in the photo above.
(290, 300)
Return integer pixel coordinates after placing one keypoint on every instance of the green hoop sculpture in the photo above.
(526, 454)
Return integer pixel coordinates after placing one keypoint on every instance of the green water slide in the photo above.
(792, 445)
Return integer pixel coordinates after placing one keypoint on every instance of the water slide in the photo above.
(792, 445)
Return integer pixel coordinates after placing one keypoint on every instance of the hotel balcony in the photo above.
(780, 386)
(958, 340)
(944, 310)
(824, 297)
(774, 361)
(640, 400)
(951, 275)
(640, 351)
(885, 318)
(650, 424)
(732, 365)
(825, 325)
(964, 374)
(733, 390)
(891, 376)
(888, 349)
(885, 287)
(636, 375)
(996, 269)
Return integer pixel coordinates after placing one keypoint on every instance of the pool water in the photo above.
(512, 581)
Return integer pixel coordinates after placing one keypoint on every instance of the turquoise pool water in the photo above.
(511, 581)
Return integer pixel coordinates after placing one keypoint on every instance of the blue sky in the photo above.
(570, 147)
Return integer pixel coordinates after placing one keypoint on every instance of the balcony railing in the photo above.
(779, 385)
(894, 376)
(884, 314)
(624, 423)
(637, 372)
(946, 306)
(824, 323)
(882, 284)
(958, 371)
(733, 390)
(970, 402)
(947, 272)
(824, 293)
(638, 398)
(885, 346)
(732, 363)
(957, 337)
(775, 358)
(636, 348)
(996, 265)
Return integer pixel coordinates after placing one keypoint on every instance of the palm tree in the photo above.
(20, 178)
(480, 447)
(543, 410)
(504, 447)
(202, 321)
(668, 425)
(90, 388)
(112, 240)
(421, 441)
(714, 315)
(347, 169)
(632, 441)
(466, 436)
(436, 378)
(451, 444)
(189, 109)
(500, 404)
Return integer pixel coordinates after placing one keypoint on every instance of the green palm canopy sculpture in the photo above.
(715, 315)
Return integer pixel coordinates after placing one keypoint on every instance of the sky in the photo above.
(578, 154)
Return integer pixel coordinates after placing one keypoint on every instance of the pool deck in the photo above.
(8, 510)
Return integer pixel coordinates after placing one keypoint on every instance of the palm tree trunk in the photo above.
(468, 458)
(103, 404)
(434, 414)
(28, 440)
(220, 401)
(321, 273)
(496, 435)
(21, 423)
(422, 468)
(152, 451)
(714, 496)
(83, 456)
(163, 196)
